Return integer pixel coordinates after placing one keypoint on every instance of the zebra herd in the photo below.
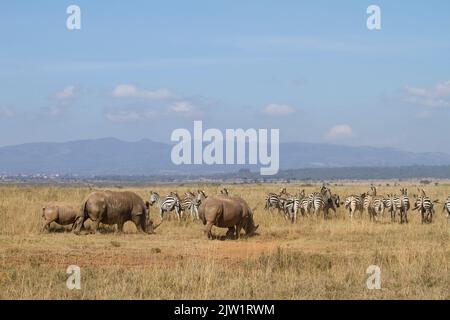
(188, 203)
(369, 202)
(291, 205)
(314, 204)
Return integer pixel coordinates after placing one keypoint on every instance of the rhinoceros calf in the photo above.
(61, 213)
(110, 207)
(227, 212)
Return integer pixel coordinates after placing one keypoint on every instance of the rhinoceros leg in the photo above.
(230, 232)
(137, 222)
(208, 229)
(120, 227)
(77, 225)
(47, 226)
(238, 231)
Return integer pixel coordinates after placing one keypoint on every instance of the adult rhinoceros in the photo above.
(110, 207)
(230, 212)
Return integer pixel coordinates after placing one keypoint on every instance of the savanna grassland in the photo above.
(314, 259)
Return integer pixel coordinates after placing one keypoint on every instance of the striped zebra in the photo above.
(195, 202)
(169, 203)
(404, 205)
(188, 205)
(272, 201)
(290, 209)
(354, 203)
(425, 206)
(323, 201)
(446, 209)
(392, 204)
(302, 200)
(201, 196)
(306, 204)
(373, 204)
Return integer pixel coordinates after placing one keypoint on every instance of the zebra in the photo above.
(373, 204)
(306, 203)
(188, 204)
(354, 203)
(272, 201)
(404, 205)
(425, 206)
(446, 209)
(166, 204)
(303, 203)
(201, 196)
(290, 208)
(392, 203)
(324, 201)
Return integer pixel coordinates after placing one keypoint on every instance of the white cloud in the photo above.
(182, 107)
(437, 96)
(131, 91)
(66, 93)
(129, 115)
(278, 109)
(340, 131)
(6, 112)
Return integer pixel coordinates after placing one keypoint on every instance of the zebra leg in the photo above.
(196, 213)
(192, 213)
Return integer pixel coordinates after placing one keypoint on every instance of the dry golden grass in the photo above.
(314, 259)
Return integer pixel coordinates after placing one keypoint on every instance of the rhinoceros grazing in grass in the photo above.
(61, 213)
(230, 212)
(110, 207)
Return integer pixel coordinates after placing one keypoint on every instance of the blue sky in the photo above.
(311, 68)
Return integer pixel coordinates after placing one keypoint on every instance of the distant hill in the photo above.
(110, 156)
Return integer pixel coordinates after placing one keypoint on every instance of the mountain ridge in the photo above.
(113, 156)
